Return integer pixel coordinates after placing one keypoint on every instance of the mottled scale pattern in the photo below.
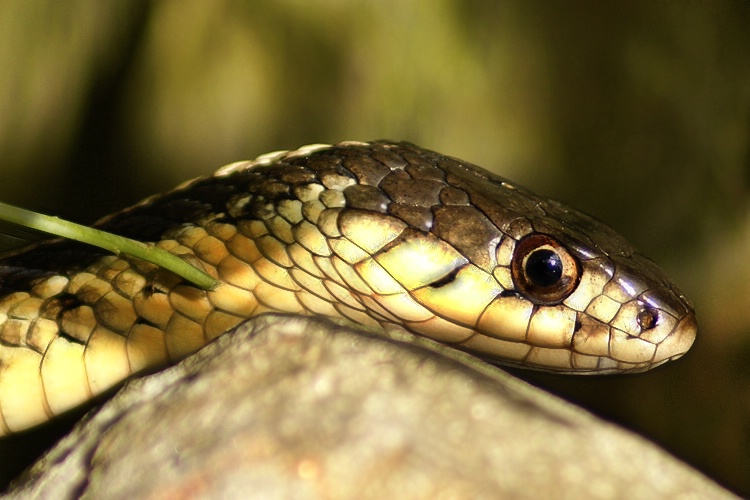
(387, 235)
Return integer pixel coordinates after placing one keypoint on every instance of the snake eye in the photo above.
(543, 270)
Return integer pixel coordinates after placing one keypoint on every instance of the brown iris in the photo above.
(543, 270)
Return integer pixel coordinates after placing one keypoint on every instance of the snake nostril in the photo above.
(648, 318)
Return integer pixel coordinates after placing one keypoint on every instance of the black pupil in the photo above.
(544, 268)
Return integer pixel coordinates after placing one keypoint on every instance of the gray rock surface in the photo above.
(289, 407)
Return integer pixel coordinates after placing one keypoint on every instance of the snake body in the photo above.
(387, 235)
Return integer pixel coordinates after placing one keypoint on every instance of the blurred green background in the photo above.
(636, 112)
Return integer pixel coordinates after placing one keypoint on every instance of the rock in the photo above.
(291, 407)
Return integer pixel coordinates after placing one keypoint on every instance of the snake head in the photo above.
(455, 253)
(574, 297)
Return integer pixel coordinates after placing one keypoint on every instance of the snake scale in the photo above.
(386, 235)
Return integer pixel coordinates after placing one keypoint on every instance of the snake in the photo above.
(386, 235)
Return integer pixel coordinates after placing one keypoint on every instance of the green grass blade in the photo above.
(108, 241)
